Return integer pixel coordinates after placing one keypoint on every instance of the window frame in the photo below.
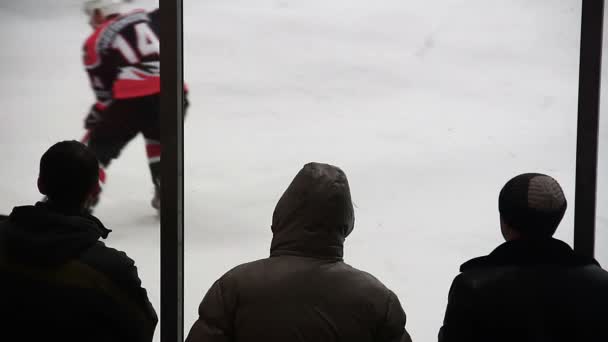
(172, 137)
(172, 172)
(592, 27)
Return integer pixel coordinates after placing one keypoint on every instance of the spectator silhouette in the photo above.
(59, 282)
(532, 287)
(304, 291)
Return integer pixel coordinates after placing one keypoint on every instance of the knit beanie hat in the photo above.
(532, 204)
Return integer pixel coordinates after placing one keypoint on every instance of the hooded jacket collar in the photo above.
(532, 252)
(40, 235)
(314, 215)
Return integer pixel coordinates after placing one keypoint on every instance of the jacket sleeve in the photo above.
(141, 309)
(461, 320)
(215, 321)
(135, 314)
(392, 329)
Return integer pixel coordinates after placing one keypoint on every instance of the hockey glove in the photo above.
(93, 118)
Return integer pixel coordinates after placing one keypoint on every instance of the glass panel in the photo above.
(429, 108)
(45, 94)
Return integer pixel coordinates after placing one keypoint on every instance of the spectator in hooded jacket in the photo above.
(532, 287)
(59, 282)
(304, 291)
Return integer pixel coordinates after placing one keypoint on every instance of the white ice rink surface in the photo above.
(428, 106)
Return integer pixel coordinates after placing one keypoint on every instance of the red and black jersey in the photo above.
(122, 58)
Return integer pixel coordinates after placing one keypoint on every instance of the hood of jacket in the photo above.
(39, 235)
(314, 215)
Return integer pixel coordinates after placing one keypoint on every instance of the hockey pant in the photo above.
(122, 121)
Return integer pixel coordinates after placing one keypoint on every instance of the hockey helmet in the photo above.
(105, 7)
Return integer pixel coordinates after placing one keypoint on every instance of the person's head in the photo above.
(315, 213)
(531, 206)
(99, 11)
(69, 174)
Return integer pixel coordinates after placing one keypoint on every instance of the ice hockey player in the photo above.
(122, 59)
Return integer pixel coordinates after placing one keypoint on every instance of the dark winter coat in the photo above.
(59, 283)
(304, 292)
(528, 291)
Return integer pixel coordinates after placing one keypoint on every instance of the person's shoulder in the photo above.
(247, 268)
(155, 19)
(594, 273)
(5, 226)
(476, 273)
(91, 39)
(135, 14)
(361, 280)
(366, 289)
(4, 221)
(475, 264)
(245, 273)
(91, 46)
(107, 259)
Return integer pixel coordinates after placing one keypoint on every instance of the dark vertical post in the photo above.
(172, 176)
(588, 125)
